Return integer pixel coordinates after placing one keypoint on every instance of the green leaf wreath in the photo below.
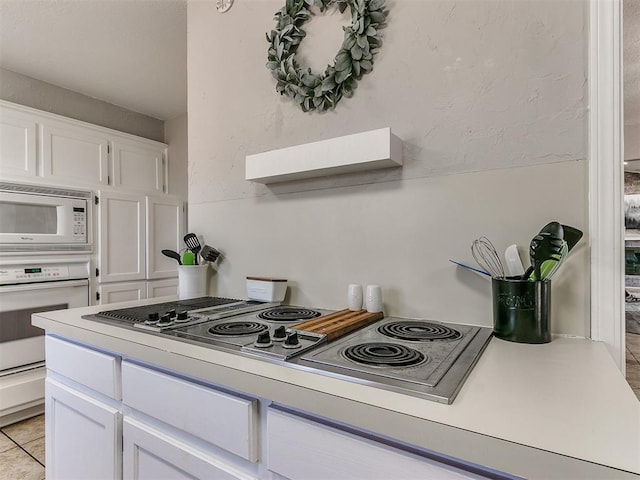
(313, 91)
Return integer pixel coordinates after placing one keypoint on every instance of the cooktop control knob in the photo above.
(182, 316)
(171, 313)
(292, 341)
(263, 340)
(152, 318)
(280, 333)
(165, 320)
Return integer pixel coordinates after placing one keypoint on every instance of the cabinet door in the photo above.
(83, 435)
(153, 454)
(74, 154)
(122, 292)
(322, 452)
(162, 288)
(121, 237)
(17, 144)
(165, 230)
(138, 166)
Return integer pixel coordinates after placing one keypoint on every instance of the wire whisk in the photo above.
(485, 255)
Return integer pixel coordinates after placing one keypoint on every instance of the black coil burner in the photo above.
(236, 329)
(288, 314)
(419, 331)
(383, 355)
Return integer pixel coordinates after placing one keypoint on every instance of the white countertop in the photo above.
(565, 397)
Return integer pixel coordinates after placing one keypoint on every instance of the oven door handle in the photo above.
(43, 285)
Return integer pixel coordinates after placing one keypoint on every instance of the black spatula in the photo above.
(571, 235)
(172, 254)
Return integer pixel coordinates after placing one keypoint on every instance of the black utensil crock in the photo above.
(521, 310)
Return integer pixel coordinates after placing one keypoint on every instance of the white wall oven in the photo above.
(45, 240)
(35, 218)
(30, 285)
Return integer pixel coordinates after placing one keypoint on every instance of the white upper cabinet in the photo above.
(17, 144)
(75, 153)
(138, 166)
(165, 230)
(122, 236)
(50, 149)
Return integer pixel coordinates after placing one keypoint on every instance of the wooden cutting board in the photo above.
(339, 323)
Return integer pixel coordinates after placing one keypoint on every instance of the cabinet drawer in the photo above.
(152, 454)
(299, 448)
(227, 421)
(96, 370)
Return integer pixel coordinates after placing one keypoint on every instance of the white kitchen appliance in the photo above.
(31, 284)
(35, 218)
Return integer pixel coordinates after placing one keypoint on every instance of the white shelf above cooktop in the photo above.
(358, 152)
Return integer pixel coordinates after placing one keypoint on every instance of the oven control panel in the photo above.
(13, 275)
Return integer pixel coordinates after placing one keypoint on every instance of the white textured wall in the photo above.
(490, 100)
(176, 136)
(24, 90)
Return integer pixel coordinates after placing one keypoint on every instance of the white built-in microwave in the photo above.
(41, 218)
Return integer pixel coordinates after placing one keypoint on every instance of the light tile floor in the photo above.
(22, 450)
(22, 444)
(633, 362)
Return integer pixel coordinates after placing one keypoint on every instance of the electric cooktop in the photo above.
(422, 358)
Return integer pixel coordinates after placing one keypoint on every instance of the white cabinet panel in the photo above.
(122, 292)
(96, 370)
(75, 153)
(301, 449)
(162, 288)
(227, 421)
(165, 230)
(122, 237)
(138, 166)
(17, 144)
(150, 454)
(83, 435)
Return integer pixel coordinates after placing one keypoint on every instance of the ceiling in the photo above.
(130, 53)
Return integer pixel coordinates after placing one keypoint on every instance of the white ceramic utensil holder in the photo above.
(192, 281)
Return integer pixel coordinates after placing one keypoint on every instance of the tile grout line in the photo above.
(634, 357)
(20, 447)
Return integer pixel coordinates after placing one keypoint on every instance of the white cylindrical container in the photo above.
(354, 297)
(192, 281)
(373, 299)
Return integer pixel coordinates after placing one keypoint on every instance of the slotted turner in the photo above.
(210, 254)
(193, 244)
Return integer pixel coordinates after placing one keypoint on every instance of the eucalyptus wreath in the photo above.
(314, 91)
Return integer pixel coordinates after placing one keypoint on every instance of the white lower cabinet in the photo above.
(299, 448)
(137, 421)
(83, 435)
(151, 454)
(224, 420)
(162, 288)
(121, 292)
